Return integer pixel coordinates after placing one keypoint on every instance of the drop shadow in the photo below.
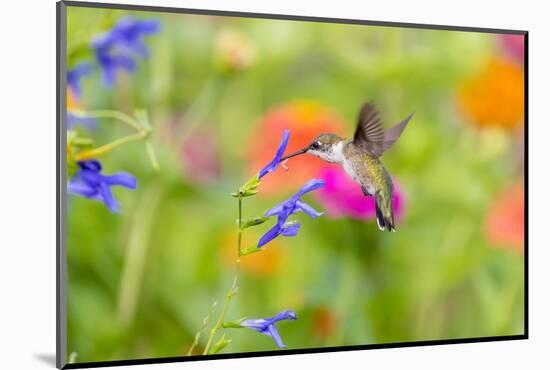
(47, 358)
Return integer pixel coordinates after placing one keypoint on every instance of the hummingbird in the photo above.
(360, 158)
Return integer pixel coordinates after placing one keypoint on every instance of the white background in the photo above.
(27, 181)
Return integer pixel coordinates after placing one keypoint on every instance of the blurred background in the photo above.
(219, 91)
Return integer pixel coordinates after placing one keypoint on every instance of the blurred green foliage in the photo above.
(140, 283)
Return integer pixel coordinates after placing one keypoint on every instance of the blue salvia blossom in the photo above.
(267, 326)
(75, 74)
(288, 207)
(271, 166)
(88, 182)
(117, 48)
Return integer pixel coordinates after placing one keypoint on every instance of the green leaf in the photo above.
(252, 183)
(143, 118)
(219, 345)
(75, 139)
(71, 135)
(253, 222)
(72, 167)
(235, 324)
(249, 188)
(82, 142)
(78, 54)
(250, 250)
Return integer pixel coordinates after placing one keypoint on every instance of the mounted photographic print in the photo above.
(237, 185)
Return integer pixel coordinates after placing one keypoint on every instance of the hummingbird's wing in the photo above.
(369, 133)
(394, 133)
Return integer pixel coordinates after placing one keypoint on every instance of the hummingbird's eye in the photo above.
(316, 145)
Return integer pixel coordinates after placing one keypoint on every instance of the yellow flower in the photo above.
(235, 51)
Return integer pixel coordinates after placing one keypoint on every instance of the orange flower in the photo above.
(495, 97)
(305, 119)
(264, 263)
(324, 322)
(504, 226)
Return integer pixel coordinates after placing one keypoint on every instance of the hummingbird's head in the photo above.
(328, 147)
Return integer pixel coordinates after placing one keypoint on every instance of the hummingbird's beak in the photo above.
(301, 151)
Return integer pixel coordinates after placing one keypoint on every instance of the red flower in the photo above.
(305, 120)
(324, 322)
(505, 223)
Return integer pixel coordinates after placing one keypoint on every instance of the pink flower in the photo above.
(200, 158)
(514, 46)
(342, 197)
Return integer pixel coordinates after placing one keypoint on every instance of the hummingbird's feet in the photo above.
(365, 192)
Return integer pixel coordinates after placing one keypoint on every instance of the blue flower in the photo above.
(88, 182)
(271, 166)
(117, 48)
(75, 74)
(288, 207)
(74, 119)
(267, 326)
(129, 32)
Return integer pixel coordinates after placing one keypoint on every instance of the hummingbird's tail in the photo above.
(384, 212)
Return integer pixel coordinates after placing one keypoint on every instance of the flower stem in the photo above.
(219, 323)
(152, 155)
(140, 123)
(204, 323)
(110, 146)
(105, 113)
(203, 102)
(135, 254)
(234, 287)
(240, 234)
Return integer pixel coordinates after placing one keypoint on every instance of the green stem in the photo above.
(204, 323)
(135, 255)
(152, 155)
(105, 113)
(142, 133)
(233, 290)
(219, 323)
(191, 119)
(91, 153)
(240, 234)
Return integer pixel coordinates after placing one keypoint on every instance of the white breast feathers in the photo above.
(337, 155)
